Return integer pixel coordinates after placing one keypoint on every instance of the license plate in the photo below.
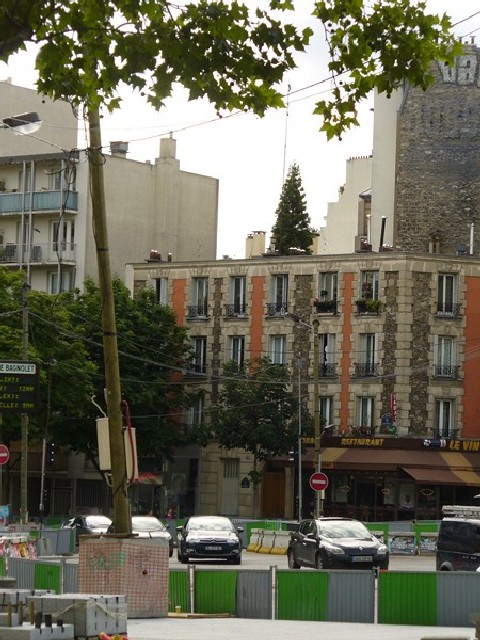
(362, 559)
(213, 548)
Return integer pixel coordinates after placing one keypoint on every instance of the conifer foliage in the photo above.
(292, 230)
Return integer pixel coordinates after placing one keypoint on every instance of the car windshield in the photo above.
(209, 524)
(147, 524)
(97, 521)
(344, 529)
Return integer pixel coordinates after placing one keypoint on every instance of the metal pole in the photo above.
(316, 415)
(300, 498)
(24, 416)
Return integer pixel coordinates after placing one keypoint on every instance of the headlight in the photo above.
(382, 551)
(333, 549)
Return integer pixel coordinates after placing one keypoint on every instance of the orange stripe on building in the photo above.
(346, 349)
(258, 315)
(471, 368)
(178, 300)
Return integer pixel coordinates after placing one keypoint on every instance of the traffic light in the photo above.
(50, 453)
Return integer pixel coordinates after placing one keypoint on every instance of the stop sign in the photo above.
(318, 481)
(4, 454)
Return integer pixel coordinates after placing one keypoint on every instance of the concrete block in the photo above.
(29, 632)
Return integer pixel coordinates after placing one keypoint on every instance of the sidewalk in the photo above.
(184, 628)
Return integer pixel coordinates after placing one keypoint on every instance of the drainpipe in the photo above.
(382, 232)
(472, 226)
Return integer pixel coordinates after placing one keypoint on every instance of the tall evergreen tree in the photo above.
(292, 229)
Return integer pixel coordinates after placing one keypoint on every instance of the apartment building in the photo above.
(398, 374)
(45, 206)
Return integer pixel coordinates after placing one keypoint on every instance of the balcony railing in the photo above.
(448, 309)
(326, 306)
(235, 310)
(446, 371)
(327, 369)
(365, 369)
(50, 253)
(196, 369)
(276, 309)
(197, 311)
(368, 306)
(18, 201)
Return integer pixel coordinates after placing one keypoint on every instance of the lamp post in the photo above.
(300, 497)
(316, 414)
(24, 124)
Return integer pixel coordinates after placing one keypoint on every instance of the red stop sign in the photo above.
(4, 454)
(318, 481)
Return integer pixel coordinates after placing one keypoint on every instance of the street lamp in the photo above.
(316, 415)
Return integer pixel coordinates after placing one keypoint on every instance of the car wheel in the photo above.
(320, 560)
(181, 558)
(292, 562)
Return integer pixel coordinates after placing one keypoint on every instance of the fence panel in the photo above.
(70, 577)
(48, 576)
(351, 596)
(406, 597)
(254, 594)
(302, 595)
(23, 570)
(215, 591)
(458, 597)
(178, 591)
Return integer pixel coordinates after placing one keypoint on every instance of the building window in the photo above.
(161, 289)
(199, 360)
(369, 285)
(326, 410)
(364, 417)
(67, 280)
(238, 297)
(236, 349)
(447, 295)
(326, 359)
(367, 357)
(199, 306)
(328, 286)
(277, 349)
(444, 422)
(445, 357)
(195, 413)
(279, 295)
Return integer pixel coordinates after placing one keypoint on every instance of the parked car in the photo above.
(87, 525)
(149, 527)
(458, 541)
(209, 538)
(335, 543)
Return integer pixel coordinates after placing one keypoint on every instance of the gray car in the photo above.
(209, 538)
(85, 525)
(335, 543)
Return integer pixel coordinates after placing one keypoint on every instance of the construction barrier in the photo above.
(255, 540)
(280, 546)
(268, 541)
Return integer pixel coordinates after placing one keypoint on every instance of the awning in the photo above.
(436, 467)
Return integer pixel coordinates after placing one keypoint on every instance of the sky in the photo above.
(249, 155)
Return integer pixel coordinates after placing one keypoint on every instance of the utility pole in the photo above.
(316, 415)
(24, 416)
(110, 346)
(300, 496)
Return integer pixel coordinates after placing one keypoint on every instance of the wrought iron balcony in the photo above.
(14, 202)
(327, 369)
(50, 253)
(326, 306)
(196, 369)
(369, 306)
(197, 311)
(235, 310)
(448, 309)
(366, 369)
(276, 309)
(446, 371)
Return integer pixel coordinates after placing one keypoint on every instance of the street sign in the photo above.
(19, 387)
(319, 481)
(4, 454)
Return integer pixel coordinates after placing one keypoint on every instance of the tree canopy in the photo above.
(292, 229)
(231, 54)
